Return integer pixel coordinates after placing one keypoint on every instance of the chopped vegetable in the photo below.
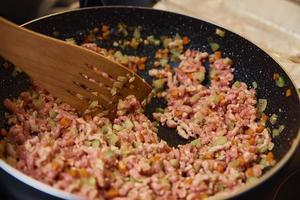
(281, 128)
(111, 193)
(280, 82)
(215, 98)
(196, 143)
(65, 122)
(158, 84)
(231, 125)
(70, 40)
(221, 140)
(163, 62)
(112, 139)
(220, 32)
(153, 41)
(159, 110)
(262, 105)
(122, 28)
(273, 119)
(234, 163)
(128, 124)
(89, 181)
(93, 104)
(109, 153)
(95, 143)
(113, 91)
(37, 103)
(264, 162)
(271, 146)
(254, 84)
(275, 132)
(117, 127)
(155, 124)
(52, 114)
(185, 40)
(220, 186)
(263, 149)
(137, 32)
(288, 92)
(174, 163)
(214, 46)
(199, 76)
(237, 84)
(194, 98)
(252, 180)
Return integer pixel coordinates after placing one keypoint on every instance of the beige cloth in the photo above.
(273, 25)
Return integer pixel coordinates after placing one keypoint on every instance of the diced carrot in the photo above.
(96, 29)
(251, 141)
(264, 117)
(190, 75)
(260, 128)
(188, 181)
(111, 193)
(178, 113)
(215, 78)
(208, 156)
(143, 59)
(249, 131)
(158, 94)
(288, 92)
(105, 35)
(275, 76)
(185, 40)
(241, 161)
(270, 157)
(174, 92)
(253, 149)
(73, 172)
(222, 97)
(203, 195)
(122, 167)
(105, 28)
(55, 166)
(65, 122)
(154, 159)
(249, 172)
(234, 141)
(220, 168)
(83, 172)
(142, 66)
(141, 137)
(218, 55)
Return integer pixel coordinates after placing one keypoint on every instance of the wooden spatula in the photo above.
(72, 73)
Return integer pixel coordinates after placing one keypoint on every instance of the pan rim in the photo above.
(62, 194)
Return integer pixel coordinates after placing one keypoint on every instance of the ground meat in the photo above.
(124, 159)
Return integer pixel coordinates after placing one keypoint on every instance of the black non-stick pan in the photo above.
(250, 62)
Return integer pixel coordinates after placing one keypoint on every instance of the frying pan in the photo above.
(250, 63)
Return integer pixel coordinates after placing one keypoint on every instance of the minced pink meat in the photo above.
(125, 159)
